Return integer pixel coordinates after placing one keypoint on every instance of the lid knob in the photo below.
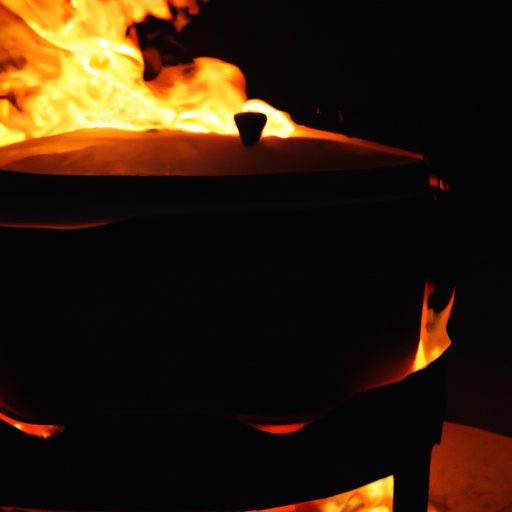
(250, 125)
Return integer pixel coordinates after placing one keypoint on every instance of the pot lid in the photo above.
(107, 151)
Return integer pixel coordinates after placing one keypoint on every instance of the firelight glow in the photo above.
(434, 339)
(44, 431)
(72, 64)
(373, 497)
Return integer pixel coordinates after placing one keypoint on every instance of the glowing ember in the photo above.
(72, 64)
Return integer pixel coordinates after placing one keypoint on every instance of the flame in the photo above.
(434, 339)
(44, 431)
(373, 497)
(72, 64)
(436, 182)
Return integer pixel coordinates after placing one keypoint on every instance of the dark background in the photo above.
(427, 77)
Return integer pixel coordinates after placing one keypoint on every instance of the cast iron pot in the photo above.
(267, 298)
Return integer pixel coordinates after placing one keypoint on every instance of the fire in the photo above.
(374, 497)
(44, 431)
(66, 65)
(72, 79)
(76, 65)
(434, 339)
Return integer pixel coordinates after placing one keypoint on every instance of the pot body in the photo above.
(275, 303)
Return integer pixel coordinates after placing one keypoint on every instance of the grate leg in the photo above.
(412, 482)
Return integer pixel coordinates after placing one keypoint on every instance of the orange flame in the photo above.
(72, 64)
(434, 339)
(44, 431)
(374, 497)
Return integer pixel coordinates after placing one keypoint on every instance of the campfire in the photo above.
(83, 92)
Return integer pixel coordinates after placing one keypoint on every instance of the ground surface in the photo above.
(471, 471)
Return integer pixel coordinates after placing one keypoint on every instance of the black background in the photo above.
(432, 78)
